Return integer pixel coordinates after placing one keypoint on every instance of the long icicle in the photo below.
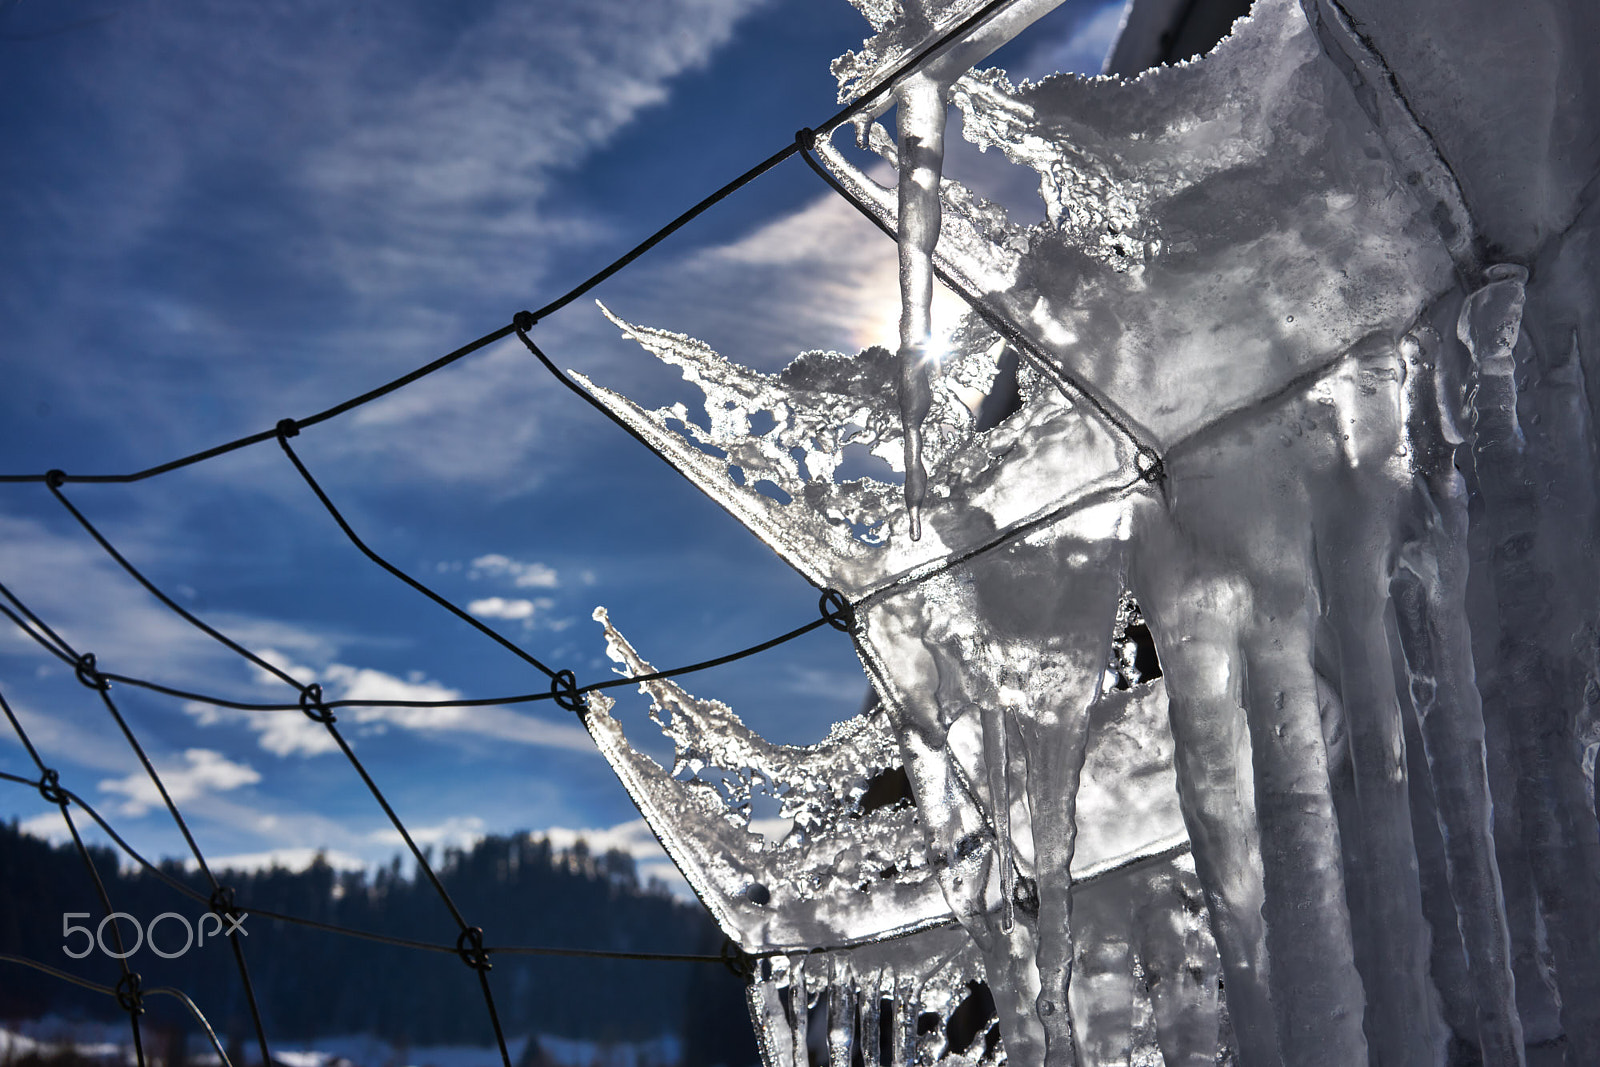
(920, 119)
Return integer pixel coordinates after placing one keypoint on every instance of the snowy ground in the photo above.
(109, 1043)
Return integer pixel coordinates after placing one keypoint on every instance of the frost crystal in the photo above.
(1248, 630)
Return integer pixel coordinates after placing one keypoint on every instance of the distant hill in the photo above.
(313, 983)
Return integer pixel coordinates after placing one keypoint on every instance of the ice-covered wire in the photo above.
(1069, 385)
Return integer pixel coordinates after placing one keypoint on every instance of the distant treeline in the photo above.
(313, 983)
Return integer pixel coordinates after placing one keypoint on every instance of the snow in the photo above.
(110, 1043)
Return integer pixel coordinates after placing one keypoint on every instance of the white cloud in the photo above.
(495, 607)
(74, 587)
(522, 575)
(459, 831)
(295, 859)
(204, 771)
(364, 683)
(288, 733)
(633, 837)
(49, 826)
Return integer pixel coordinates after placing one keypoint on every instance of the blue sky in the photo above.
(213, 216)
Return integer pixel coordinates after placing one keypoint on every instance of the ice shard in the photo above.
(1289, 385)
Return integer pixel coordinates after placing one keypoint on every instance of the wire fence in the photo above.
(834, 611)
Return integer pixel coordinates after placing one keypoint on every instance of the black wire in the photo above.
(22, 625)
(48, 777)
(666, 231)
(524, 321)
(423, 865)
(63, 975)
(199, 857)
(71, 659)
(86, 663)
(199, 1016)
(267, 435)
(581, 393)
(171, 604)
(106, 990)
(110, 831)
(355, 539)
(56, 644)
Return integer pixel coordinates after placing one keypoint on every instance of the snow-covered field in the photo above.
(110, 1044)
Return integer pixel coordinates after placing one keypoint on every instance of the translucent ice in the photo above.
(1259, 374)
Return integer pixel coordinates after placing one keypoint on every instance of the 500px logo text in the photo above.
(192, 937)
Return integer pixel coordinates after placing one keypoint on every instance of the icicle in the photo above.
(1430, 599)
(1535, 682)
(921, 121)
(799, 1013)
(871, 1039)
(997, 762)
(1357, 531)
(1180, 960)
(841, 1011)
(907, 1011)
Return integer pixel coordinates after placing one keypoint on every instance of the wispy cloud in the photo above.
(460, 831)
(49, 826)
(523, 575)
(496, 607)
(289, 733)
(202, 772)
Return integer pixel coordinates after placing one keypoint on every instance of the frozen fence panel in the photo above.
(1299, 355)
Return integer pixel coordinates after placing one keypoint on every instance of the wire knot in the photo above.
(129, 996)
(312, 706)
(84, 668)
(50, 787)
(837, 612)
(739, 962)
(55, 479)
(523, 321)
(288, 428)
(469, 946)
(222, 902)
(564, 688)
(806, 138)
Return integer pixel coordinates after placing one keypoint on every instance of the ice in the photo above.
(1297, 364)
(920, 115)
